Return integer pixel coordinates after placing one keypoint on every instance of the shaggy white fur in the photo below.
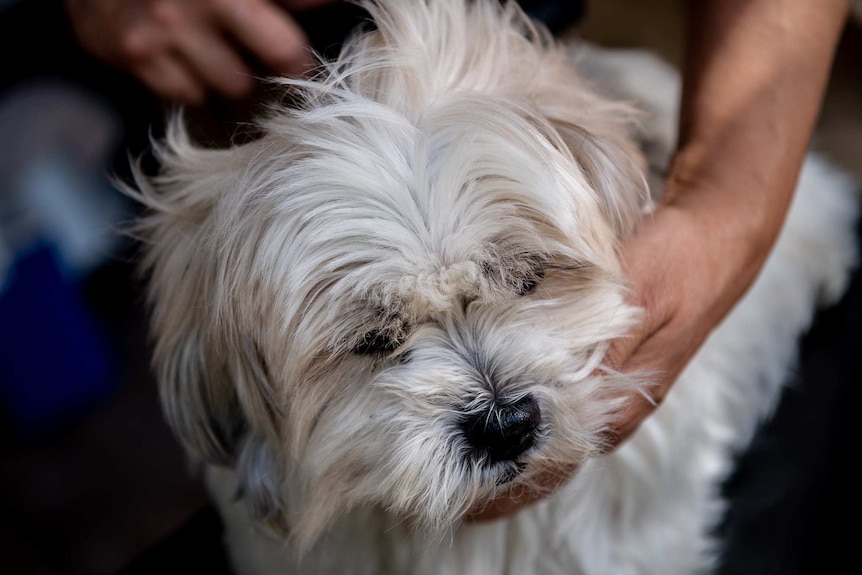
(395, 303)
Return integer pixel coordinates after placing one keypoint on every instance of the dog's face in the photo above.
(394, 298)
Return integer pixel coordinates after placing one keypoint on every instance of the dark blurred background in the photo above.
(91, 480)
(89, 474)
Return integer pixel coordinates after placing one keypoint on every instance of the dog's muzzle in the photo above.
(505, 431)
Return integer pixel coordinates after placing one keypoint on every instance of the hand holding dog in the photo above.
(746, 120)
(755, 76)
(184, 49)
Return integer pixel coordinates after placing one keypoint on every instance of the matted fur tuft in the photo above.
(427, 232)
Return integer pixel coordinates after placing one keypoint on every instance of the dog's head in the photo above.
(400, 295)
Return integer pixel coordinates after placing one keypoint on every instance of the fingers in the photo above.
(171, 79)
(183, 49)
(217, 65)
(191, 35)
(194, 56)
(661, 357)
(269, 33)
(669, 280)
(305, 4)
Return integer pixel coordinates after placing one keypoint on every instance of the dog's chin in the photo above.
(518, 485)
(509, 473)
(486, 485)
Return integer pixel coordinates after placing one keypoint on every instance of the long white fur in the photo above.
(408, 190)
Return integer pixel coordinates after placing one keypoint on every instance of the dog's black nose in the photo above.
(506, 431)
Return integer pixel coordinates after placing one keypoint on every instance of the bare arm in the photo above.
(754, 79)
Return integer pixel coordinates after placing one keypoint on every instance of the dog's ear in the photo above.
(600, 134)
(614, 168)
(218, 403)
(198, 398)
(209, 379)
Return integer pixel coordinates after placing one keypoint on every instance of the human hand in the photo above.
(184, 49)
(686, 266)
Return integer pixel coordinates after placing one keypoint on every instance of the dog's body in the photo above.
(426, 246)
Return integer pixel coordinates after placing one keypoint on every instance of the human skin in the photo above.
(753, 83)
(185, 50)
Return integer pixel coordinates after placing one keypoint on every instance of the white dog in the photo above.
(395, 303)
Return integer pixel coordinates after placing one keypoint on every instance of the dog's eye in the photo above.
(529, 284)
(375, 342)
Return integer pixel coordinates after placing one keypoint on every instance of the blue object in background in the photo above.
(54, 363)
(59, 220)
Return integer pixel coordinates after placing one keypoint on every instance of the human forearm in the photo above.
(754, 79)
(755, 75)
